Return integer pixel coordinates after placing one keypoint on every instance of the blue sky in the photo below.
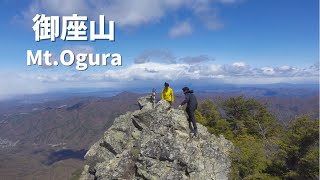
(228, 41)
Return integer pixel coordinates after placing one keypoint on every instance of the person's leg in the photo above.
(193, 120)
(190, 126)
(170, 103)
(189, 119)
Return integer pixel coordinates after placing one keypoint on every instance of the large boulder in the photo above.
(156, 143)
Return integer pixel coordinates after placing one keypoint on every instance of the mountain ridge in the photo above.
(155, 143)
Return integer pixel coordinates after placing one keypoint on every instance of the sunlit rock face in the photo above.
(156, 143)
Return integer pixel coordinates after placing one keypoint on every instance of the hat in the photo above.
(166, 84)
(185, 89)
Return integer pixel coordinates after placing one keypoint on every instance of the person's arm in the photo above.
(187, 97)
(162, 94)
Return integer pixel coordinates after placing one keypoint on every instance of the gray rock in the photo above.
(145, 102)
(156, 143)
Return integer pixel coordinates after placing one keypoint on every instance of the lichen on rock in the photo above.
(156, 143)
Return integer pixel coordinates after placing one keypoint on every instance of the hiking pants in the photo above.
(191, 118)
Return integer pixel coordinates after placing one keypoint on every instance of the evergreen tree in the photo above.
(298, 156)
(263, 149)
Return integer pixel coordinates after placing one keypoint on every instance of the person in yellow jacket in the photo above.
(167, 93)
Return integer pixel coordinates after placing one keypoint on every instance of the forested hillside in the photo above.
(264, 148)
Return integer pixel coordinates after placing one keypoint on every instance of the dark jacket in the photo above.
(191, 100)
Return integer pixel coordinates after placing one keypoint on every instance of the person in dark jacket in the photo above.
(192, 105)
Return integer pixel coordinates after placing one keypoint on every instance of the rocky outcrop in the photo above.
(156, 143)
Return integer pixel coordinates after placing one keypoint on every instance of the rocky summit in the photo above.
(156, 143)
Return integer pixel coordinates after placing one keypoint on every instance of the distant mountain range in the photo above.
(52, 131)
(264, 89)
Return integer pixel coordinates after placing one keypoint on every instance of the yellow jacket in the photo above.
(167, 94)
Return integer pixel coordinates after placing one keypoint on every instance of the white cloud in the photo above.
(268, 70)
(196, 59)
(147, 73)
(131, 13)
(13, 84)
(239, 64)
(182, 29)
(237, 69)
(162, 55)
(207, 12)
(182, 71)
(125, 13)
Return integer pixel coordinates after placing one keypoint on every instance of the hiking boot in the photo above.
(195, 132)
